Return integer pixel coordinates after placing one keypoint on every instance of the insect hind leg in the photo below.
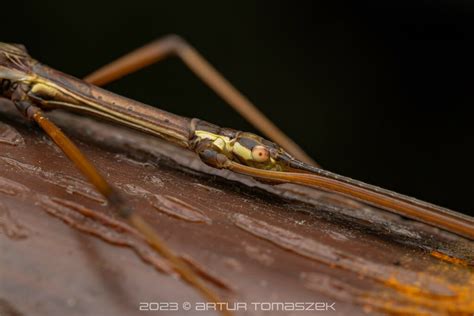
(173, 45)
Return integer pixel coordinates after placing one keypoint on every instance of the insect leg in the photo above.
(173, 45)
(32, 112)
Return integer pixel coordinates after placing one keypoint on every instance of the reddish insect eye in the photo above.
(260, 154)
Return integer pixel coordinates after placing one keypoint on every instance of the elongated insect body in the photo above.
(27, 82)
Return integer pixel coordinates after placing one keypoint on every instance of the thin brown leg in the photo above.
(116, 201)
(173, 45)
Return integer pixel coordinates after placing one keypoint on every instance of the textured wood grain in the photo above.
(64, 252)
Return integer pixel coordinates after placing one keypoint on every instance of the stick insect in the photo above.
(35, 88)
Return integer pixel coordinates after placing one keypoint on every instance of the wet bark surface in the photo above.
(63, 251)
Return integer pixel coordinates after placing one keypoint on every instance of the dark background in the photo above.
(376, 90)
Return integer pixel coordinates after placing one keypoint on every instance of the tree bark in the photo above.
(64, 252)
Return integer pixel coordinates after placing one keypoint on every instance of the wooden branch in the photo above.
(64, 252)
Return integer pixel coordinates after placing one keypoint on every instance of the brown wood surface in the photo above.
(64, 252)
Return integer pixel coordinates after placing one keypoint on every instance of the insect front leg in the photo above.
(210, 155)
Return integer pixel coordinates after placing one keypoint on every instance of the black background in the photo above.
(379, 91)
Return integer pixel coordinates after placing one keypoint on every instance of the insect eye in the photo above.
(260, 154)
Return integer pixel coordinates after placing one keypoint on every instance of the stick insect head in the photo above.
(216, 145)
(255, 151)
